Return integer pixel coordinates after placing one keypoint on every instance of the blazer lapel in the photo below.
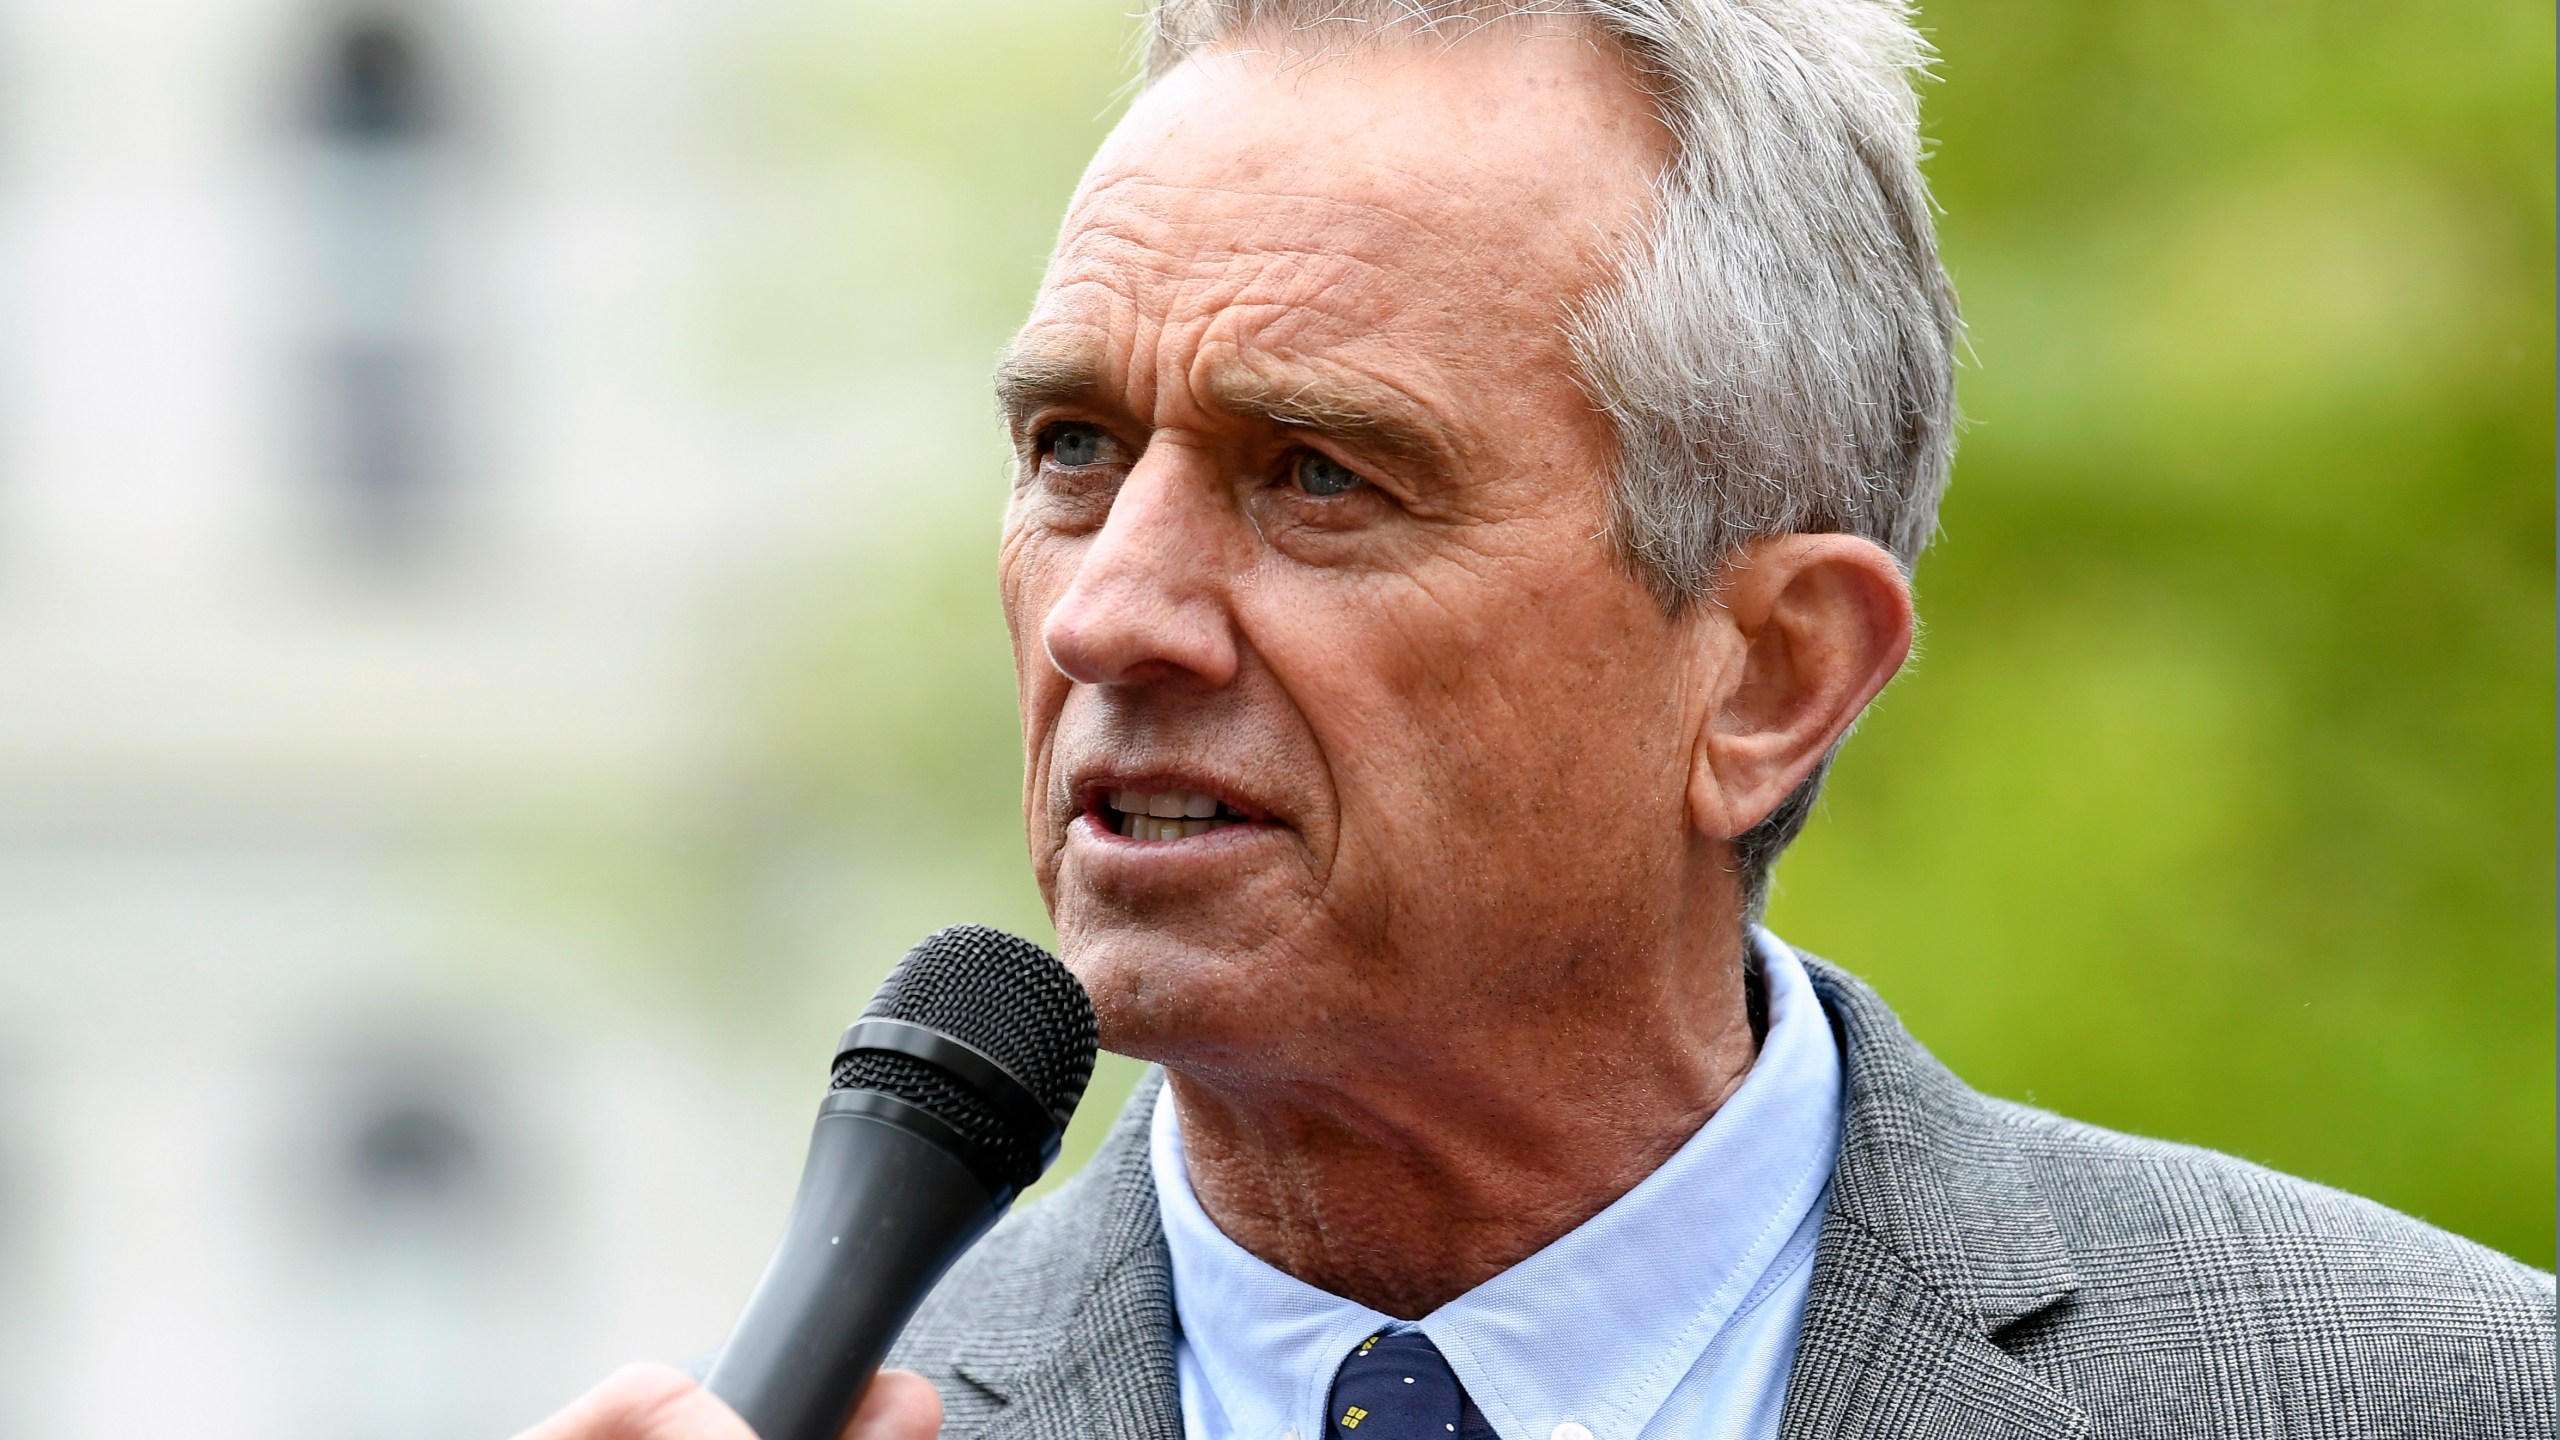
(1937, 1242)
(1102, 1365)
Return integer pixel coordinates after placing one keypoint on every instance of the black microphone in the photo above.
(948, 1096)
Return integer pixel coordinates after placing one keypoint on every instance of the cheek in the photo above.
(1030, 575)
(1031, 572)
(1392, 682)
(1018, 571)
(1459, 714)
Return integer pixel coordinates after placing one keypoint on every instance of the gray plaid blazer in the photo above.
(1986, 1271)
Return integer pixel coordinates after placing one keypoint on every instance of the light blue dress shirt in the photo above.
(1670, 1315)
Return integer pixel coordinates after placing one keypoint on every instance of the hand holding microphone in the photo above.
(948, 1096)
(659, 1402)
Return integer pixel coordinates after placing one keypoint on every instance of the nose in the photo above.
(1148, 599)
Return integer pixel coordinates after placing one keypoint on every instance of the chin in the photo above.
(1161, 997)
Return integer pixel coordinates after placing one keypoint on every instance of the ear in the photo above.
(1806, 630)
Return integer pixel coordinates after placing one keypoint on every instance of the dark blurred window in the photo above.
(413, 1261)
(381, 209)
(412, 1161)
(376, 90)
(414, 1154)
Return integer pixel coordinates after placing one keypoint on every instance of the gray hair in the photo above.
(1776, 349)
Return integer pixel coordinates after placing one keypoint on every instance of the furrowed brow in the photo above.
(1379, 423)
(1033, 378)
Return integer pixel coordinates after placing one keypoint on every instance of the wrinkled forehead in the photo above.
(1301, 199)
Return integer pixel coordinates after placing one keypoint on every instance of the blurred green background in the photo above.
(2219, 803)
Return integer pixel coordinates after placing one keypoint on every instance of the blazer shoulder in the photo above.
(2354, 1318)
(2159, 1289)
(2114, 1193)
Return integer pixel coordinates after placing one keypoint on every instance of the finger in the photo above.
(900, 1405)
(644, 1402)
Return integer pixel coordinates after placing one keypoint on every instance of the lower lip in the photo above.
(1098, 827)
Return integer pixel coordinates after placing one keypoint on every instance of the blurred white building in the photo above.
(354, 488)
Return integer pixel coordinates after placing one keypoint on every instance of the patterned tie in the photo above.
(1396, 1387)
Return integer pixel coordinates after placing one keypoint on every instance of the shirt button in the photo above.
(1570, 1431)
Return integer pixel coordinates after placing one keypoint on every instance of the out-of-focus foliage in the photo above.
(2218, 805)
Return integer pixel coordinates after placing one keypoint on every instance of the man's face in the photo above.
(1306, 549)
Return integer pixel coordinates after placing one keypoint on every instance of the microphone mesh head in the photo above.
(1006, 998)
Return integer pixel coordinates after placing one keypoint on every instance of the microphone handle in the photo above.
(882, 1212)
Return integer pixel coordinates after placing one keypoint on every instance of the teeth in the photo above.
(1166, 804)
(1165, 815)
(1149, 827)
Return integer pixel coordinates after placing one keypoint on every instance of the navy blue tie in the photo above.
(1396, 1387)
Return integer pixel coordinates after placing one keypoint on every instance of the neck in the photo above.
(1404, 1188)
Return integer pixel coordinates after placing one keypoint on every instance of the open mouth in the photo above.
(1165, 814)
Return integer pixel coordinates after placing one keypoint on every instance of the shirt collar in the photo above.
(1267, 1343)
(1598, 1327)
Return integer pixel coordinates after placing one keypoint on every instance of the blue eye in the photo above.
(1321, 475)
(1073, 445)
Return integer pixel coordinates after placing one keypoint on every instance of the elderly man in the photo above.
(1470, 463)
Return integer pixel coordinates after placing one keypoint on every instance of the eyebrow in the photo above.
(1364, 417)
(1031, 379)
